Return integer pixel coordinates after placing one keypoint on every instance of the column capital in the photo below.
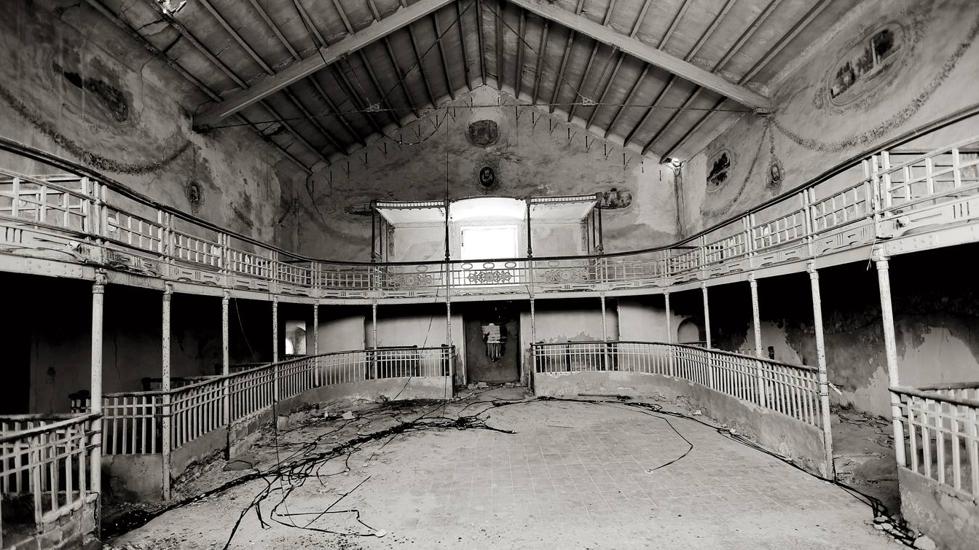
(225, 295)
(167, 291)
(101, 279)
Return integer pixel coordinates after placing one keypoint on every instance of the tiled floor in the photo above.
(573, 475)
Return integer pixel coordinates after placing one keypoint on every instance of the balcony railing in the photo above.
(941, 435)
(46, 462)
(83, 217)
(792, 390)
(133, 421)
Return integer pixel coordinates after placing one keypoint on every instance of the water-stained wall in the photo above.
(887, 68)
(936, 311)
(75, 85)
(529, 154)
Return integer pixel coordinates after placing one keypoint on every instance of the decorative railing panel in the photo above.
(828, 215)
(48, 459)
(941, 435)
(133, 421)
(792, 390)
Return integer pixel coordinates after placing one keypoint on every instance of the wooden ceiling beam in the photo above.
(646, 53)
(326, 56)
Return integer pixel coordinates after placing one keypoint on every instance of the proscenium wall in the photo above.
(931, 73)
(534, 154)
(75, 85)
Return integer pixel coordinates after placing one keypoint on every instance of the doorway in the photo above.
(492, 331)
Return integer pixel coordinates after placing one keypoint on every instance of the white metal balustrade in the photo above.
(792, 390)
(132, 422)
(123, 230)
(941, 435)
(48, 460)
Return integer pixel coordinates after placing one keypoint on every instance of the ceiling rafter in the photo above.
(319, 42)
(647, 53)
(518, 69)
(619, 58)
(445, 61)
(481, 38)
(541, 52)
(356, 99)
(594, 51)
(645, 69)
(760, 64)
(420, 65)
(196, 82)
(203, 50)
(462, 42)
(324, 57)
(498, 43)
(693, 96)
(240, 40)
(672, 80)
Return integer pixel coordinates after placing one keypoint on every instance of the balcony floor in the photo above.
(573, 475)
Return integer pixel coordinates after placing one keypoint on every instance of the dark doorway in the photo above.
(492, 342)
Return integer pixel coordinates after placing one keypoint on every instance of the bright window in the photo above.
(489, 242)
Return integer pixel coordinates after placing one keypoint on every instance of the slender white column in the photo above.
(669, 334)
(95, 389)
(890, 347)
(316, 344)
(756, 325)
(823, 376)
(755, 314)
(225, 356)
(706, 316)
(275, 348)
(710, 364)
(165, 386)
(604, 334)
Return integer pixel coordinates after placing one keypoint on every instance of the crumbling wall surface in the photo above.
(950, 519)
(788, 437)
(75, 85)
(936, 319)
(835, 101)
(532, 154)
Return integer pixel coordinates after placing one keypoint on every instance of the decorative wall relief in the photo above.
(719, 168)
(195, 195)
(879, 63)
(865, 65)
(486, 174)
(614, 199)
(483, 133)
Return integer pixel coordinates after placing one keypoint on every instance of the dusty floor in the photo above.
(570, 475)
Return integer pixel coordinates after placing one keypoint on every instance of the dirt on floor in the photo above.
(496, 468)
(863, 453)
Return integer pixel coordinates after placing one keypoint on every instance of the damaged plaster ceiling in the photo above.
(324, 78)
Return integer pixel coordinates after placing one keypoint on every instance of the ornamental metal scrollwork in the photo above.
(490, 276)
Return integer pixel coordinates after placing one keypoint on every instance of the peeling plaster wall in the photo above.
(936, 318)
(933, 74)
(59, 339)
(75, 85)
(533, 156)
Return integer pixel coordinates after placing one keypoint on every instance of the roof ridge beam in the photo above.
(646, 53)
(324, 57)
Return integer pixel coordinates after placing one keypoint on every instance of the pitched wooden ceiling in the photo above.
(323, 78)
